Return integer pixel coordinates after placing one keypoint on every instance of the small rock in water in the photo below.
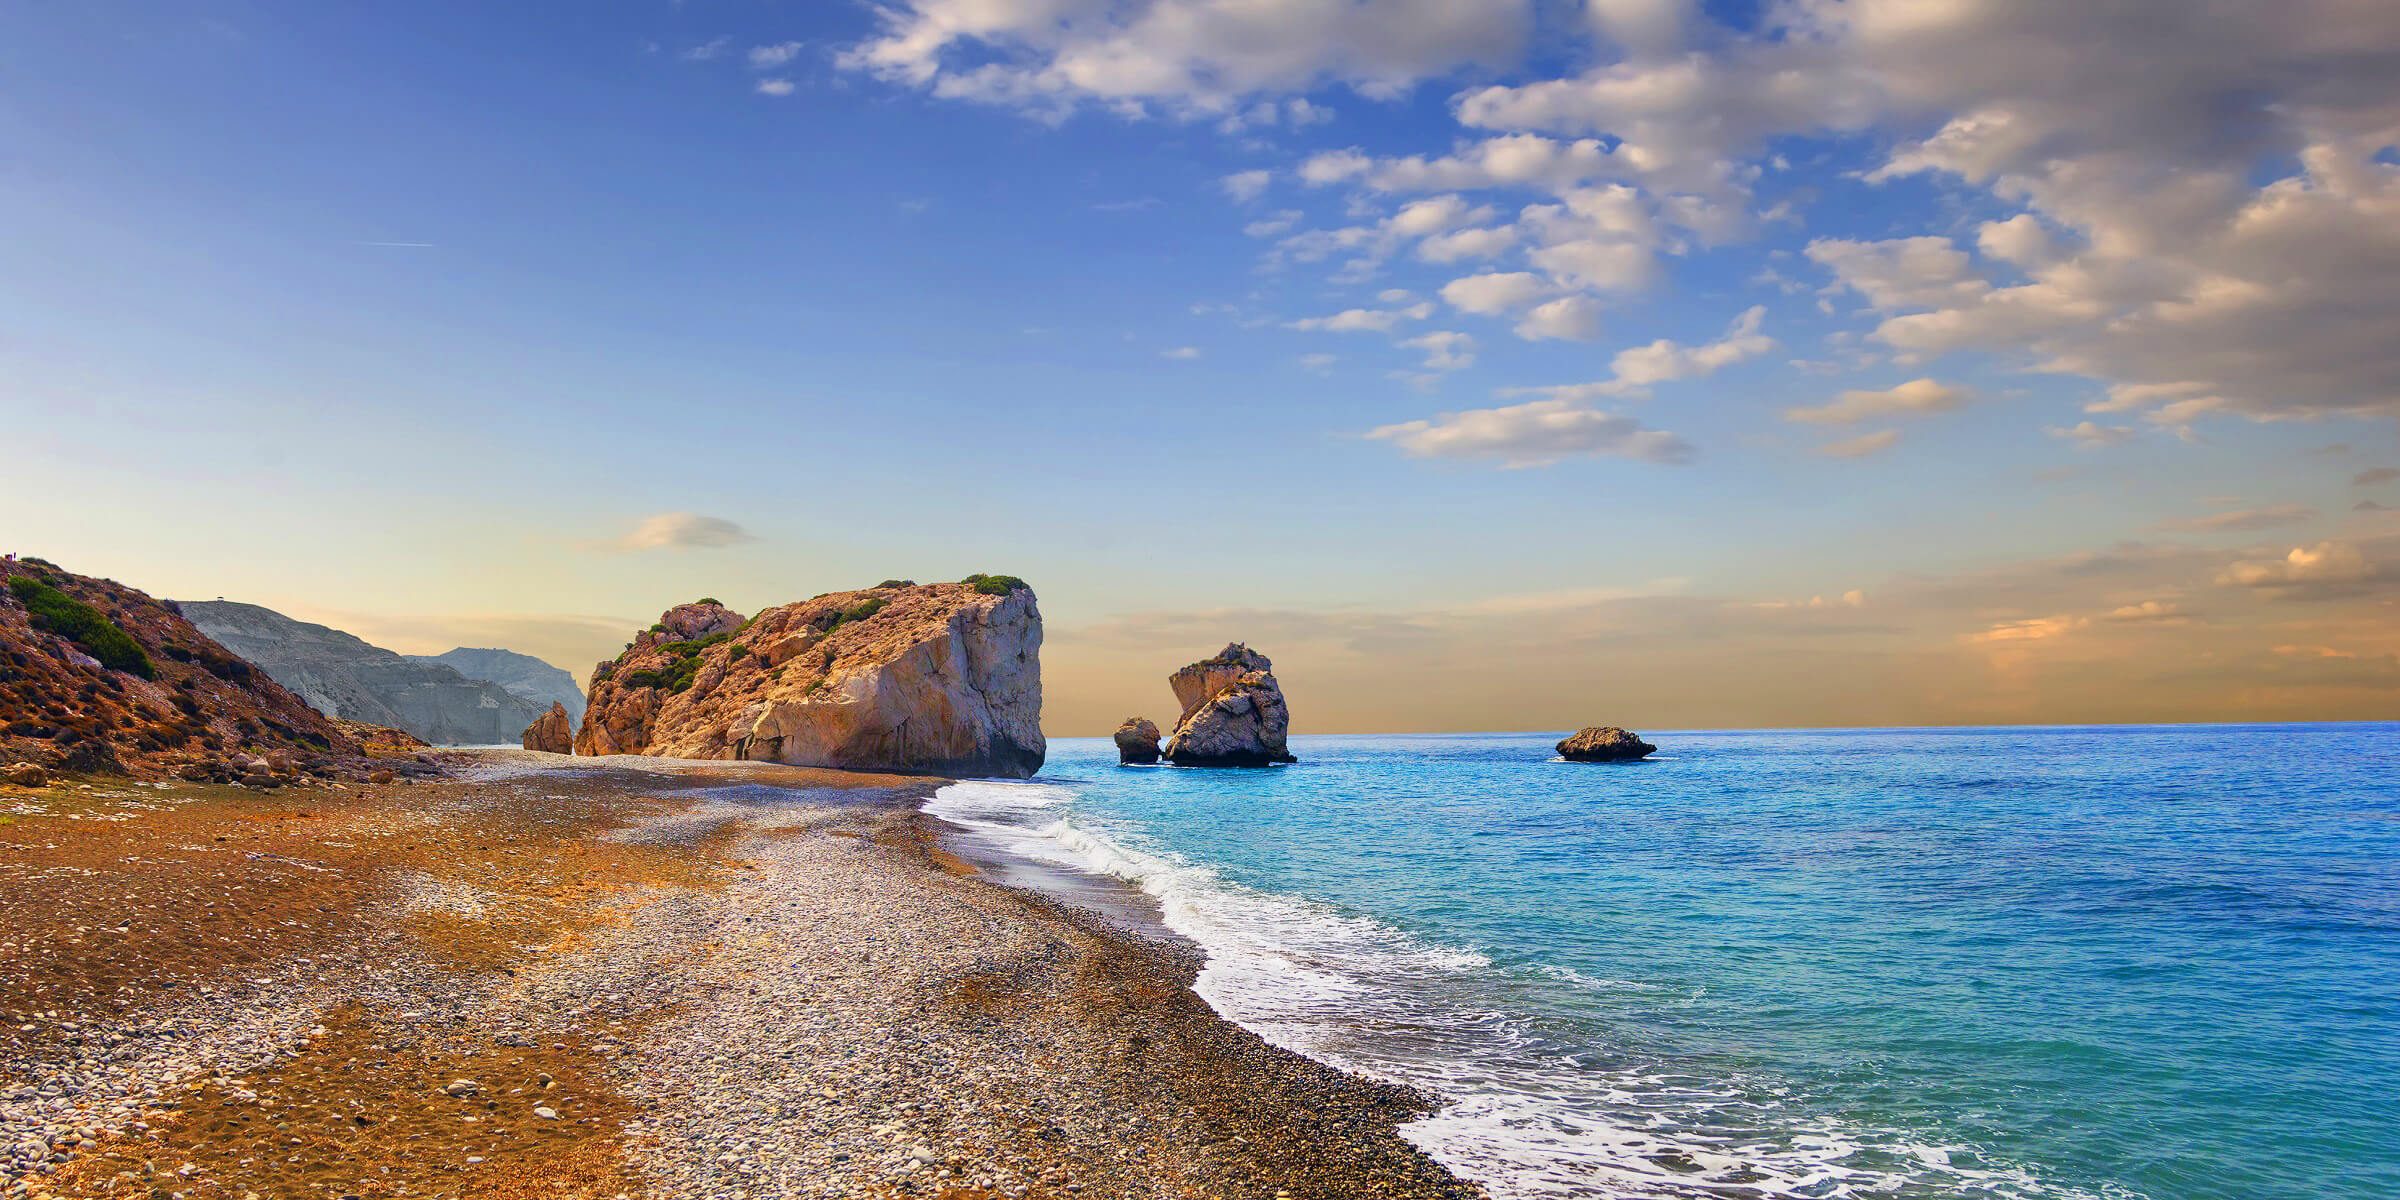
(1604, 743)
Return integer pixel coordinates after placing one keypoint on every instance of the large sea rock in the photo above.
(1604, 743)
(1233, 712)
(342, 676)
(942, 679)
(553, 733)
(1137, 741)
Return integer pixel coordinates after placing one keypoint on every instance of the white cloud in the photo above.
(682, 531)
(1364, 320)
(1275, 226)
(1567, 319)
(775, 87)
(766, 57)
(1318, 362)
(1917, 397)
(2326, 566)
(1186, 58)
(714, 48)
(2242, 520)
(1467, 243)
(1496, 293)
(1636, 368)
(1535, 434)
(1915, 272)
(1444, 350)
(1181, 353)
(1245, 186)
(2089, 435)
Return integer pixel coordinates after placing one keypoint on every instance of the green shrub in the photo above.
(993, 585)
(857, 612)
(57, 612)
(661, 627)
(708, 600)
(895, 583)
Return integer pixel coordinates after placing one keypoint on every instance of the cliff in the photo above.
(96, 676)
(524, 676)
(942, 678)
(342, 676)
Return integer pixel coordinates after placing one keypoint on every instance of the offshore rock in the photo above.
(940, 679)
(1233, 712)
(1137, 741)
(552, 732)
(1604, 743)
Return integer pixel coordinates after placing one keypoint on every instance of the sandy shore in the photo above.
(546, 977)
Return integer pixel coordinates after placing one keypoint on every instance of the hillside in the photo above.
(100, 677)
(343, 676)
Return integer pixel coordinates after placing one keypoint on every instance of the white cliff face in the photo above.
(941, 679)
(1233, 713)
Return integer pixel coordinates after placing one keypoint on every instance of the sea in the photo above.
(2119, 962)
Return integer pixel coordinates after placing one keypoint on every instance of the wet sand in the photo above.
(554, 977)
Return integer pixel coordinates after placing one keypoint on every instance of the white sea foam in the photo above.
(1532, 1116)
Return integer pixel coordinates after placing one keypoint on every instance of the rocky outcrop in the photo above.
(25, 775)
(942, 679)
(1233, 712)
(522, 675)
(1604, 743)
(342, 676)
(552, 733)
(98, 677)
(1137, 741)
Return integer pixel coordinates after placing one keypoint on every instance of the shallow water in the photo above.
(2158, 962)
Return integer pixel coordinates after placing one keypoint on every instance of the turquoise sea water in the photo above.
(2157, 962)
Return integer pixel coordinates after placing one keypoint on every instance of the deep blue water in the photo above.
(2159, 962)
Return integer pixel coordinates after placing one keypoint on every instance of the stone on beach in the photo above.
(1604, 743)
(1233, 712)
(551, 733)
(26, 775)
(1137, 741)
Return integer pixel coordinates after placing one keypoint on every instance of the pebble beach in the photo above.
(544, 977)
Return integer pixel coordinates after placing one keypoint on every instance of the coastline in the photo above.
(711, 978)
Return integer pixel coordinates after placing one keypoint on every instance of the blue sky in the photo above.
(402, 317)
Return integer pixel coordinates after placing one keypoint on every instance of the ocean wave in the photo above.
(1534, 1114)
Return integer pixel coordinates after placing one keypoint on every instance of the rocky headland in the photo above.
(344, 676)
(1233, 712)
(1604, 743)
(940, 678)
(523, 675)
(98, 678)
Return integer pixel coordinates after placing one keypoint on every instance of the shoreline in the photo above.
(712, 979)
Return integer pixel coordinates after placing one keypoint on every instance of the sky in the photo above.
(1489, 364)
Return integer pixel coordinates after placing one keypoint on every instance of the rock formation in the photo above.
(942, 679)
(523, 675)
(552, 733)
(1604, 743)
(344, 677)
(1233, 712)
(98, 677)
(1137, 741)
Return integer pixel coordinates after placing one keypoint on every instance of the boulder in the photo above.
(942, 678)
(1137, 741)
(1604, 743)
(551, 733)
(1233, 713)
(26, 775)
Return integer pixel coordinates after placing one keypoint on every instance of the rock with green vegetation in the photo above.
(941, 678)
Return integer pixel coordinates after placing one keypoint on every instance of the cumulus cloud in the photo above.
(2308, 571)
(1462, 244)
(1444, 350)
(683, 531)
(1364, 320)
(776, 55)
(1245, 186)
(1181, 353)
(1636, 369)
(1495, 293)
(1566, 319)
(1184, 58)
(1917, 397)
(775, 87)
(1535, 434)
